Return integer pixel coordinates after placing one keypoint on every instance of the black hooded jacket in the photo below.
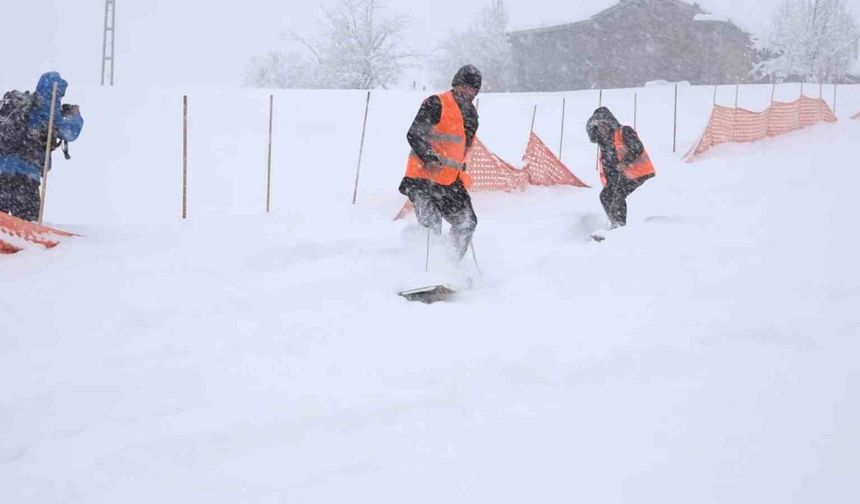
(604, 138)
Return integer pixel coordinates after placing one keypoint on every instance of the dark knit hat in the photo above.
(468, 76)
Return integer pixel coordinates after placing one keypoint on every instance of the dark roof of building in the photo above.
(602, 15)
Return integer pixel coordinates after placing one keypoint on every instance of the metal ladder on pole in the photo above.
(109, 42)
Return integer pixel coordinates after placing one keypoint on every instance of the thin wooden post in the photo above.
(561, 142)
(269, 169)
(715, 95)
(737, 94)
(801, 88)
(185, 157)
(773, 94)
(49, 143)
(635, 108)
(361, 149)
(675, 127)
(534, 116)
(820, 90)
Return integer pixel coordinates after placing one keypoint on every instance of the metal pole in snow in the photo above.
(597, 156)
(361, 149)
(773, 93)
(427, 261)
(185, 157)
(534, 116)
(635, 108)
(269, 170)
(715, 95)
(675, 127)
(834, 98)
(49, 143)
(737, 94)
(475, 257)
(561, 142)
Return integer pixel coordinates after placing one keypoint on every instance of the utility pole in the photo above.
(108, 45)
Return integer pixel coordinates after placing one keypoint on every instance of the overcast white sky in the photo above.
(196, 42)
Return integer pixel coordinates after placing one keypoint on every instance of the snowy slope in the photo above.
(708, 353)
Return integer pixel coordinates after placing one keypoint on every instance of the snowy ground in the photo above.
(707, 353)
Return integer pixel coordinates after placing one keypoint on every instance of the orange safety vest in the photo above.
(642, 167)
(448, 140)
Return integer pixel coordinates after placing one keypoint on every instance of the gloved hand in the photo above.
(433, 166)
(68, 110)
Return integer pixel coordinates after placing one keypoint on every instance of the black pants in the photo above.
(614, 198)
(19, 196)
(434, 202)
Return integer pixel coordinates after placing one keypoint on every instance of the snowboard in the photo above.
(428, 295)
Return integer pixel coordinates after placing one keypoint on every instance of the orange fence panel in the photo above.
(736, 125)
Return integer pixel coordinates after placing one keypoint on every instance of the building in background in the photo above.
(631, 43)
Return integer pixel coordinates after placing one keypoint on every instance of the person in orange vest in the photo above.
(624, 164)
(436, 180)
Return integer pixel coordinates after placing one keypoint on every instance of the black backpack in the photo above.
(14, 115)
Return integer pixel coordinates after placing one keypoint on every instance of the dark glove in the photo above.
(68, 110)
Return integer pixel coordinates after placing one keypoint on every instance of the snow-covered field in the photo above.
(708, 353)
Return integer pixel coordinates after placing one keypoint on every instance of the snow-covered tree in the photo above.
(484, 43)
(357, 47)
(277, 69)
(812, 39)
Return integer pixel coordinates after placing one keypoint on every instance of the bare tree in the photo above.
(357, 47)
(484, 44)
(813, 39)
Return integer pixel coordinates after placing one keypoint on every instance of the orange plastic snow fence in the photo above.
(544, 168)
(728, 125)
(17, 234)
(490, 173)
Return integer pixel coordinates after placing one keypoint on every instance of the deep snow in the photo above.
(707, 353)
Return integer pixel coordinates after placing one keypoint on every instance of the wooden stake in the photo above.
(820, 90)
(561, 142)
(534, 116)
(269, 169)
(49, 143)
(675, 127)
(773, 94)
(715, 96)
(361, 149)
(185, 157)
(801, 88)
(737, 94)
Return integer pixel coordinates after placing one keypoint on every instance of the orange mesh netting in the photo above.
(16, 234)
(544, 168)
(489, 173)
(728, 125)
